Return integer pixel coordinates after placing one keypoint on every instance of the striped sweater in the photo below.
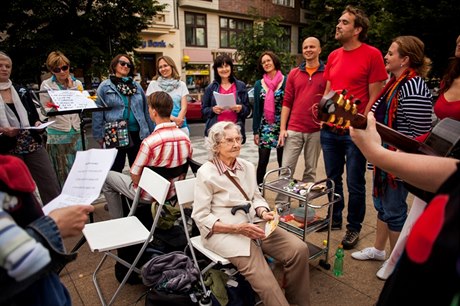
(415, 108)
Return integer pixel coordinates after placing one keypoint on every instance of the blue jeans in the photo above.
(392, 207)
(339, 150)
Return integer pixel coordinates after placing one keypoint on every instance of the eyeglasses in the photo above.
(231, 141)
(58, 69)
(123, 64)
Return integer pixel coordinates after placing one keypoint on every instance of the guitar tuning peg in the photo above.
(331, 118)
(354, 110)
(341, 97)
(340, 121)
(347, 124)
(357, 102)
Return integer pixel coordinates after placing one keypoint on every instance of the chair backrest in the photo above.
(194, 165)
(156, 185)
(170, 173)
(185, 191)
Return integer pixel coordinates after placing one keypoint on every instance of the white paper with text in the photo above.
(85, 180)
(71, 99)
(224, 100)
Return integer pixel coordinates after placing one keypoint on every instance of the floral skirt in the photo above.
(268, 135)
(62, 149)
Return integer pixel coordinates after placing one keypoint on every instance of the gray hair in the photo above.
(216, 134)
(5, 56)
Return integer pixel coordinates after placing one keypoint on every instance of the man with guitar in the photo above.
(359, 68)
(427, 273)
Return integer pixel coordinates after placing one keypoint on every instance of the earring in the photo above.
(401, 65)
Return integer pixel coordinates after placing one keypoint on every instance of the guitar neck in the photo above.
(394, 138)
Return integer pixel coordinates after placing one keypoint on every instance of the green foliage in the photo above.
(434, 22)
(88, 32)
(263, 36)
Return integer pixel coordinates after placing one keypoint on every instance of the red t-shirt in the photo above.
(354, 70)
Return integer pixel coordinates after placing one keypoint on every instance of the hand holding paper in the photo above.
(224, 100)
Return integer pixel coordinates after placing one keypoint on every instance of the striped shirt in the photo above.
(167, 147)
(413, 116)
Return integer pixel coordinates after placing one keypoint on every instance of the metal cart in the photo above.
(324, 198)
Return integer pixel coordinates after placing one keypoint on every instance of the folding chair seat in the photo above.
(185, 194)
(110, 235)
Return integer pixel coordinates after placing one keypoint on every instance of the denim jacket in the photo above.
(46, 232)
(208, 102)
(107, 95)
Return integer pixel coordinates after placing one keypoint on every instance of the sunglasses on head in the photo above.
(58, 69)
(123, 64)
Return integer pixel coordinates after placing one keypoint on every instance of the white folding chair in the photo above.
(185, 194)
(110, 235)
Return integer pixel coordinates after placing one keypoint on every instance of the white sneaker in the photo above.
(369, 254)
(383, 273)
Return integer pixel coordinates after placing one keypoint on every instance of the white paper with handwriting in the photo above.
(85, 180)
(71, 99)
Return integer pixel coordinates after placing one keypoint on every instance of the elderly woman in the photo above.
(225, 83)
(127, 101)
(404, 105)
(17, 112)
(168, 80)
(232, 236)
(64, 138)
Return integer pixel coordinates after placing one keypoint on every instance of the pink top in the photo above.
(228, 115)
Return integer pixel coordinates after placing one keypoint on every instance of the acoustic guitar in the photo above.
(340, 111)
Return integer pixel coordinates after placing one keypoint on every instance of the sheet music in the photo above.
(71, 99)
(224, 100)
(40, 127)
(85, 180)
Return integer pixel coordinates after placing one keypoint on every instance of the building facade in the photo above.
(194, 32)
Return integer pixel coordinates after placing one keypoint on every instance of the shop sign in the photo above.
(153, 44)
(197, 72)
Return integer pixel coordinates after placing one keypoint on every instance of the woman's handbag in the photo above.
(116, 134)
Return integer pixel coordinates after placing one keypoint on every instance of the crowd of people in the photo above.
(391, 91)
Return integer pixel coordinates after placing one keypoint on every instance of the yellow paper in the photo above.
(272, 224)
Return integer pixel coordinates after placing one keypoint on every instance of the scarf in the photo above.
(269, 105)
(125, 85)
(168, 85)
(385, 113)
(7, 116)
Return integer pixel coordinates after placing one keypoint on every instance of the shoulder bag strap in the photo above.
(237, 185)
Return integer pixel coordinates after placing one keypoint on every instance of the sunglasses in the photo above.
(59, 69)
(123, 64)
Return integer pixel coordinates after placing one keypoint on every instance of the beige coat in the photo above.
(215, 195)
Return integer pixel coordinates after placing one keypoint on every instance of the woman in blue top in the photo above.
(168, 80)
(225, 83)
(127, 101)
(268, 102)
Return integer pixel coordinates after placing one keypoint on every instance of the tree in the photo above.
(263, 36)
(88, 32)
(434, 22)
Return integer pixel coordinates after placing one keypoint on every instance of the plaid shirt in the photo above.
(166, 147)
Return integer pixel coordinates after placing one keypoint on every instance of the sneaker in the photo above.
(383, 273)
(335, 226)
(350, 240)
(369, 253)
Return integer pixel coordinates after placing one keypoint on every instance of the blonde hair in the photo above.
(175, 73)
(216, 135)
(56, 59)
(414, 49)
(5, 56)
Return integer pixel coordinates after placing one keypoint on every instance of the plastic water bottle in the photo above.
(338, 262)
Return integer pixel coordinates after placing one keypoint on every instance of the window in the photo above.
(230, 28)
(285, 41)
(195, 30)
(289, 3)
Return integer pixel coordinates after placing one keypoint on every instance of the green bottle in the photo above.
(338, 262)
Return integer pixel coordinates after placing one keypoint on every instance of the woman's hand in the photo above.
(250, 230)
(256, 139)
(9, 131)
(217, 109)
(236, 108)
(267, 215)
